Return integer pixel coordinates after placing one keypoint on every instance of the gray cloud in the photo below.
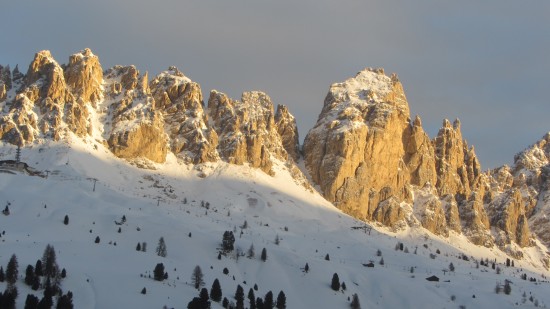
(485, 63)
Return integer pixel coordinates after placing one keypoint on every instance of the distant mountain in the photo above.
(365, 155)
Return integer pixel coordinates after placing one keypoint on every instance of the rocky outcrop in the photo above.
(508, 215)
(5, 82)
(84, 76)
(137, 127)
(246, 129)
(180, 101)
(287, 129)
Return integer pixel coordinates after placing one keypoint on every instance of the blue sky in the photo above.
(485, 62)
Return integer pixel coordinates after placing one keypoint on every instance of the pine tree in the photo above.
(138, 247)
(216, 291)
(66, 220)
(197, 277)
(143, 247)
(355, 302)
(158, 272)
(49, 263)
(2, 274)
(327, 257)
(252, 299)
(203, 296)
(343, 285)
(63, 273)
(12, 271)
(281, 300)
(144, 291)
(263, 257)
(268, 300)
(29, 275)
(64, 302)
(31, 302)
(507, 287)
(225, 302)
(97, 239)
(228, 241)
(251, 253)
(451, 267)
(161, 248)
(239, 297)
(38, 268)
(335, 285)
(259, 303)
(306, 268)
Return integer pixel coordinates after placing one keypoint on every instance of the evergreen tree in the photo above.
(239, 297)
(35, 283)
(195, 303)
(8, 298)
(2, 274)
(144, 291)
(259, 303)
(355, 302)
(197, 277)
(507, 287)
(143, 247)
(158, 272)
(97, 239)
(382, 261)
(47, 300)
(38, 269)
(29, 275)
(228, 241)
(63, 273)
(216, 291)
(268, 300)
(138, 247)
(31, 302)
(264, 255)
(161, 248)
(252, 299)
(451, 267)
(251, 252)
(281, 300)
(205, 300)
(66, 220)
(327, 257)
(225, 302)
(64, 302)
(306, 268)
(12, 271)
(335, 285)
(49, 262)
(343, 285)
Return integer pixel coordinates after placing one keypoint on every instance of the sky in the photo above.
(484, 62)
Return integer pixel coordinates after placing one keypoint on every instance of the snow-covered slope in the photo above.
(191, 207)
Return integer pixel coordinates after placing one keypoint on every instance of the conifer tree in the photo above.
(66, 220)
(203, 296)
(12, 271)
(138, 247)
(306, 268)
(31, 302)
(38, 268)
(2, 274)
(158, 272)
(216, 291)
(259, 303)
(239, 297)
(251, 252)
(197, 277)
(252, 299)
(327, 257)
(281, 300)
(264, 255)
(268, 300)
(29, 275)
(355, 302)
(49, 263)
(97, 239)
(161, 248)
(64, 302)
(335, 285)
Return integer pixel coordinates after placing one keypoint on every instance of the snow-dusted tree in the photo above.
(250, 254)
(12, 271)
(197, 277)
(161, 248)
(216, 291)
(335, 284)
(281, 300)
(158, 272)
(239, 297)
(355, 302)
(268, 300)
(264, 255)
(228, 241)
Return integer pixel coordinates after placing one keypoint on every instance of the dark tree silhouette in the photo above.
(138, 247)
(228, 241)
(197, 277)
(268, 300)
(2, 274)
(225, 302)
(161, 248)
(38, 268)
(263, 257)
(216, 291)
(327, 257)
(49, 263)
(355, 302)
(239, 297)
(205, 300)
(12, 271)
(260, 303)
(252, 299)
(64, 302)
(144, 291)
(281, 300)
(306, 269)
(97, 240)
(31, 302)
(29, 275)
(507, 287)
(335, 285)
(451, 267)
(158, 273)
